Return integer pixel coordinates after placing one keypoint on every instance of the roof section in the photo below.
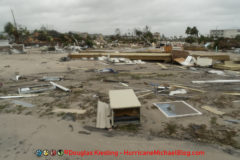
(125, 98)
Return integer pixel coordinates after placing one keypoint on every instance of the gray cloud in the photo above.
(170, 17)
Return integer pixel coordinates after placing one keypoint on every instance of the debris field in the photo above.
(72, 90)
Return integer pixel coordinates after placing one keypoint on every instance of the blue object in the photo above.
(39, 153)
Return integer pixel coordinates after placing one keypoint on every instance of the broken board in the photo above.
(228, 65)
(213, 110)
(77, 111)
(103, 115)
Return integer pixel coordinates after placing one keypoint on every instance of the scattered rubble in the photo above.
(89, 103)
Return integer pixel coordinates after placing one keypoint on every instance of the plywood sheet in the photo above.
(125, 98)
(103, 115)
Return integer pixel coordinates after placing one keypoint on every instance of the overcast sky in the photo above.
(169, 17)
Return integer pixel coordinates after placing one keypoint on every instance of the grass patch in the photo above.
(2, 107)
(129, 128)
(170, 128)
(213, 121)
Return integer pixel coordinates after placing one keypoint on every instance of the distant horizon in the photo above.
(168, 17)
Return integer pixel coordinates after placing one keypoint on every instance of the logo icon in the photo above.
(39, 152)
(45, 152)
(60, 152)
(53, 153)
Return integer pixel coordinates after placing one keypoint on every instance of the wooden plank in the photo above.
(232, 94)
(77, 111)
(188, 88)
(60, 87)
(217, 81)
(162, 66)
(18, 96)
(228, 66)
(213, 110)
(132, 56)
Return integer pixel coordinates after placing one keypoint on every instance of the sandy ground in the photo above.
(23, 135)
(23, 130)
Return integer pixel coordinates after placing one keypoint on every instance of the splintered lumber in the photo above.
(132, 56)
(216, 81)
(188, 88)
(213, 110)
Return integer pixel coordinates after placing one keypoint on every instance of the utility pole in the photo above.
(15, 23)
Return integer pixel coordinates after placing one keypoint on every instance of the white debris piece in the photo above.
(139, 62)
(179, 91)
(220, 73)
(19, 96)
(124, 84)
(114, 60)
(189, 61)
(18, 77)
(216, 81)
(204, 62)
(103, 58)
(61, 87)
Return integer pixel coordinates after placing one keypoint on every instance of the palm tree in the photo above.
(188, 30)
(9, 29)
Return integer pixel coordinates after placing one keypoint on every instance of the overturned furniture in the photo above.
(125, 106)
